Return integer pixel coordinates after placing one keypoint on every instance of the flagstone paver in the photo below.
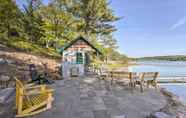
(90, 98)
(121, 116)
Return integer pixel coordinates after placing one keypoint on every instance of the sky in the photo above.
(150, 27)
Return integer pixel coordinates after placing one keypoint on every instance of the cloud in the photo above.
(179, 23)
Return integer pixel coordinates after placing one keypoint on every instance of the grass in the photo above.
(110, 66)
(116, 65)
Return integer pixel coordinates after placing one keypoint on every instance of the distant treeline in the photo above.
(166, 58)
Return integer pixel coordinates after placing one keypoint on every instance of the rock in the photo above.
(6, 94)
(173, 99)
(6, 61)
(2, 61)
(180, 115)
(166, 92)
(160, 115)
(176, 101)
(4, 78)
(10, 61)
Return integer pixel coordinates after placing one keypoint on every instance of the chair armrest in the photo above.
(29, 85)
(35, 87)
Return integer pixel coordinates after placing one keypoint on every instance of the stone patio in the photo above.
(92, 98)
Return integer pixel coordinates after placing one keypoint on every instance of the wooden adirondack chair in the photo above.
(122, 76)
(103, 73)
(33, 99)
(149, 78)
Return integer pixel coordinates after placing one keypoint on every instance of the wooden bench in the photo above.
(148, 78)
(119, 76)
(33, 99)
(103, 73)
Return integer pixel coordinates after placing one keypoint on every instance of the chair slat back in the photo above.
(19, 92)
(19, 84)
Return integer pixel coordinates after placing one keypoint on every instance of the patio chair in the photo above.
(38, 78)
(103, 73)
(148, 78)
(32, 100)
(123, 76)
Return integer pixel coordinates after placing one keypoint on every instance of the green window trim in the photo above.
(79, 58)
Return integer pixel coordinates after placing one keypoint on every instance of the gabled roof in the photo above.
(77, 39)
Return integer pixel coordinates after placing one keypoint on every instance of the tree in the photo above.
(66, 19)
(9, 18)
(32, 21)
(96, 17)
(59, 23)
(110, 45)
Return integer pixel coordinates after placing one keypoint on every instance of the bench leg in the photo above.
(148, 83)
(155, 85)
(112, 80)
(141, 86)
(134, 84)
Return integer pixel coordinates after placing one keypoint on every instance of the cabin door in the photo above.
(87, 59)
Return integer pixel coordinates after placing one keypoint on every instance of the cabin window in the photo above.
(79, 58)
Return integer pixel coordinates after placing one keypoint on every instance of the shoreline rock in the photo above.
(175, 107)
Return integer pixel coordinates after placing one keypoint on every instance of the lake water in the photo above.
(166, 69)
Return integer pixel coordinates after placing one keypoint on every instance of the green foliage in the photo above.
(58, 23)
(26, 46)
(43, 27)
(32, 21)
(9, 19)
(94, 16)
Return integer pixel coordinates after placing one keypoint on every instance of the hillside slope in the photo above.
(17, 62)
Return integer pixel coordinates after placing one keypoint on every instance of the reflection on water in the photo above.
(166, 69)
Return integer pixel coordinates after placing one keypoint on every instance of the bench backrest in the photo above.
(149, 75)
(122, 74)
(102, 71)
